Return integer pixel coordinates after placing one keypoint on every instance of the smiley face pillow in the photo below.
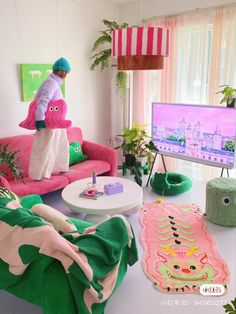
(76, 154)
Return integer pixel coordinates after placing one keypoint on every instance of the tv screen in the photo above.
(204, 134)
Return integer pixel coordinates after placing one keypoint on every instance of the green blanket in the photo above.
(63, 273)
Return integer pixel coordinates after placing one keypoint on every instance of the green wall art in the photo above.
(32, 76)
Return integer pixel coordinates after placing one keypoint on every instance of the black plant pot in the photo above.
(231, 102)
(129, 159)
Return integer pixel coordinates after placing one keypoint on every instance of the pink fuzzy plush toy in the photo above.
(54, 117)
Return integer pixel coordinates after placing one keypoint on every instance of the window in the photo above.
(203, 50)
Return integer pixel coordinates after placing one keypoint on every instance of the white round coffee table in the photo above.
(97, 210)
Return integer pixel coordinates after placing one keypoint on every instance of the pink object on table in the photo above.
(55, 116)
(91, 192)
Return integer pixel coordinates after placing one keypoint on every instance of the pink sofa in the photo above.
(101, 158)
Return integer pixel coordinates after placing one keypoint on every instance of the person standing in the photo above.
(50, 149)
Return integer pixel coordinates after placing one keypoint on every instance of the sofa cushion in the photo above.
(75, 134)
(86, 168)
(76, 154)
(56, 182)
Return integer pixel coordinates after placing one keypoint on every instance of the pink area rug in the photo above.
(179, 253)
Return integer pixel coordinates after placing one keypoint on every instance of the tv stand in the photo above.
(163, 162)
(222, 171)
(164, 165)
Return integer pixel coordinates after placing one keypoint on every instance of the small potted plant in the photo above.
(129, 145)
(137, 149)
(229, 95)
(137, 143)
(9, 160)
(145, 146)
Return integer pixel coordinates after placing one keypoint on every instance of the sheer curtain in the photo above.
(202, 57)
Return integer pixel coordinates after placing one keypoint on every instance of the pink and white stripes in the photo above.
(137, 41)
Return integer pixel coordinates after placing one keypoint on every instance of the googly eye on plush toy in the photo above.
(56, 108)
(77, 149)
(50, 108)
(225, 200)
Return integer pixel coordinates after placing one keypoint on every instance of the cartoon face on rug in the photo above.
(179, 267)
(54, 117)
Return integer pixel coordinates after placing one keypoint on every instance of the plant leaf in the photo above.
(105, 38)
(11, 159)
(234, 303)
(2, 173)
(228, 308)
(110, 24)
(101, 59)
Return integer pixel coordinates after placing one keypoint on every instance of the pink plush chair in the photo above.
(101, 158)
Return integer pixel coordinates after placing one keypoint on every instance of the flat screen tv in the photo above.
(204, 134)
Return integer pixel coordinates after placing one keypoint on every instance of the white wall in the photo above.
(40, 31)
(136, 11)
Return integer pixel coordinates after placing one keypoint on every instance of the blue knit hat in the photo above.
(62, 65)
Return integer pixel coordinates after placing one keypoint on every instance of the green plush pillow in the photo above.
(76, 154)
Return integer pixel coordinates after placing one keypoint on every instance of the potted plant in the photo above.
(129, 145)
(102, 57)
(137, 148)
(229, 95)
(10, 160)
(136, 142)
(145, 146)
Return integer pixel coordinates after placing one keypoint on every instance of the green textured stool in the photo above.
(221, 201)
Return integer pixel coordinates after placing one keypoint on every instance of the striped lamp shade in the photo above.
(139, 48)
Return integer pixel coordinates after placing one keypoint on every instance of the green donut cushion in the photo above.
(170, 183)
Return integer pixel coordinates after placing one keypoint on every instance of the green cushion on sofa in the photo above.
(76, 154)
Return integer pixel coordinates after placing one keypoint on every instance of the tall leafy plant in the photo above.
(11, 159)
(102, 57)
(137, 142)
